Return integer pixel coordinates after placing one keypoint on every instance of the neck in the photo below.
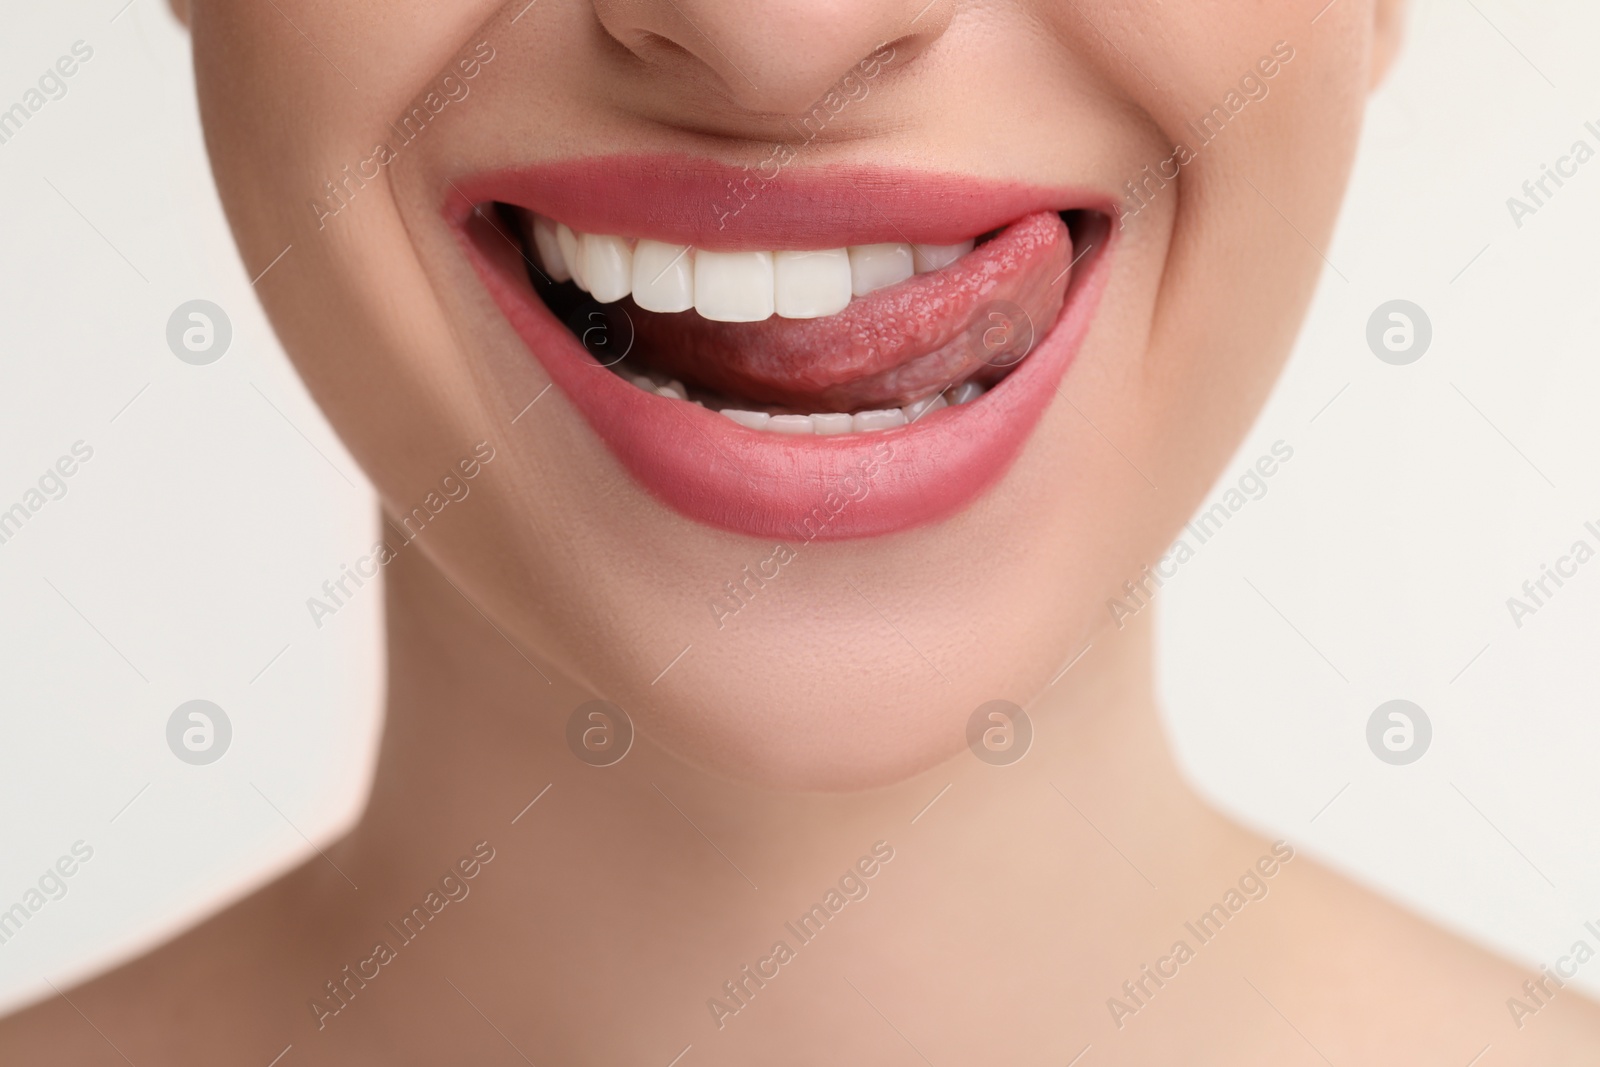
(715, 870)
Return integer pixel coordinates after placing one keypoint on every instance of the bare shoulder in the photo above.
(214, 988)
(1378, 984)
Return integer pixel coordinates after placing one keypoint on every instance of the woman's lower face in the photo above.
(834, 363)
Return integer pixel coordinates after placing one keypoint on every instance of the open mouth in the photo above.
(826, 341)
(768, 379)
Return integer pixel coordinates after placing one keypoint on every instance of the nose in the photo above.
(771, 56)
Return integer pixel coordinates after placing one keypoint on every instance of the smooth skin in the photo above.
(786, 744)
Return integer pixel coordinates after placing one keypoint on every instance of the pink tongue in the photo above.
(896, 345)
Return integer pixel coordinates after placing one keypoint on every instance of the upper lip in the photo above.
(722, 207)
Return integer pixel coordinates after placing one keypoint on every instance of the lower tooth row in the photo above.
(826, 424)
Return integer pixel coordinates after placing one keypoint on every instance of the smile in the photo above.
(899, 328)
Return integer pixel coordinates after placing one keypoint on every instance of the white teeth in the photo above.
(874, 267)
(549, 249)
(936, 257)
(663, 276)
(733, 286)
(730, 286)
(878, 420)
(753, 420)
(809, 285)
(607, 266)
(918, 408)
(832, 424)
(791, 424)
(965, 393)
(674, 390)
(567, 244)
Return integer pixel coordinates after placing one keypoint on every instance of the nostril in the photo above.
(906, 48)
(656, 49)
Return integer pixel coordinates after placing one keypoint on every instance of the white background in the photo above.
(1377, 566)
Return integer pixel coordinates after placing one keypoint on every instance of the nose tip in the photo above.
(772, 56)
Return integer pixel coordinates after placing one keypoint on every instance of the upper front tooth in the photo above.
(607, 266)
(809, 285)
(733, 286)
(663, 276)
(936, 257)
(567, 244)
(876, 266)
(549, 248)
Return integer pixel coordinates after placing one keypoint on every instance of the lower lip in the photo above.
(709, 469)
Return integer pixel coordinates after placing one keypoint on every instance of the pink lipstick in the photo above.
(857, 352)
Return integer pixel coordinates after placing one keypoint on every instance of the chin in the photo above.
(822, 737)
